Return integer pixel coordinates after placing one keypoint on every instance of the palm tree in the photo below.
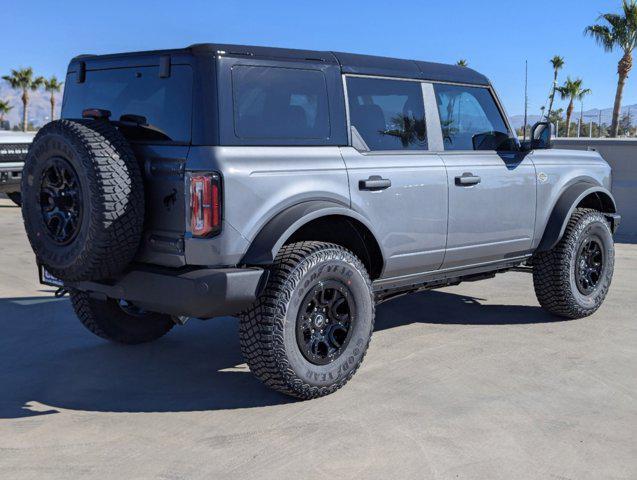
(23, 80)
(52, 85)
(558, 63)
(618, 31)
(572, 89)
(4, 109)
(462, 63)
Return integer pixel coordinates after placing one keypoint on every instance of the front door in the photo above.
(396, 181)
(492, 188)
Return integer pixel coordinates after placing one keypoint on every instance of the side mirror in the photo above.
(541, 135)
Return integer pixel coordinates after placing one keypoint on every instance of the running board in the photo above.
(385, 289)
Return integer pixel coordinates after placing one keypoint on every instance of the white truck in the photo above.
(13, 149)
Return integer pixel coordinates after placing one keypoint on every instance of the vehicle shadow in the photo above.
(440, 307)
(48, 361)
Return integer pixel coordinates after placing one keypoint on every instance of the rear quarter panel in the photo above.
(258, 183)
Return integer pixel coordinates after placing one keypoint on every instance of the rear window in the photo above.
(164, 105)
(280, 103)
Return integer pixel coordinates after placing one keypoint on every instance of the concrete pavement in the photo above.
(474, 381)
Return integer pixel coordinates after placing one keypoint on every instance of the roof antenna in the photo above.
(526, 96)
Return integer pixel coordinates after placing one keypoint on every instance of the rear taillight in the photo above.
(205, 205)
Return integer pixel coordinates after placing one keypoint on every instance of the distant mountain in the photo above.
(39, 105)
(517, 121)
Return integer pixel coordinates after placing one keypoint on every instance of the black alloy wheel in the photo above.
(60, 201)
(324, 324)
(589, 265)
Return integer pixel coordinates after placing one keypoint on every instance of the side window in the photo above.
(388, 114)
(164, 103)
(280, 103)
(470, 118)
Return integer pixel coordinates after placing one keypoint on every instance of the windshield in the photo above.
(165, 104)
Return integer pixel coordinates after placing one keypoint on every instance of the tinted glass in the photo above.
(272, 102)
(164, 103)
(388, 114)
(467, 116)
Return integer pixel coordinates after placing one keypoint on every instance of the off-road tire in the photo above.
(267, 337)
(554, 270)
(111, 199)
(106, 319)
(15, 197)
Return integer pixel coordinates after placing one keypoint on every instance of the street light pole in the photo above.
(526, 96)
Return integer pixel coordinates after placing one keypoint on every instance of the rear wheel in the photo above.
(573, 278)
(308, 332)
(15, 197)
(119, 321)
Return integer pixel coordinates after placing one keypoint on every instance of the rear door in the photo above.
(154, 112)
(396, 180)
(492, 191)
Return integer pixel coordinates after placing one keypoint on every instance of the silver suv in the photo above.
(298, 189)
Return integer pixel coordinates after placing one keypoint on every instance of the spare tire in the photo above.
(82, 199)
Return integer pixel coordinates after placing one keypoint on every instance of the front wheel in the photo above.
(118, 320)
(572, 279)
(308, 332)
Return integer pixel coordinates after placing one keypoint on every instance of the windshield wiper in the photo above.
(137, 126)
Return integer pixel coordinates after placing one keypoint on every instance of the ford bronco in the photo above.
(296, 190)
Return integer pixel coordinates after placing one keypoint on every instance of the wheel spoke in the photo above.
(339, 304)
(59, 201)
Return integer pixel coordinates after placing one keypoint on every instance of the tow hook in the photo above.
(60, 292)
(180, 319)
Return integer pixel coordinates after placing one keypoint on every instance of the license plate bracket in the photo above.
(47, 278)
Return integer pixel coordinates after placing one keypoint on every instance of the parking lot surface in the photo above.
(473, 381)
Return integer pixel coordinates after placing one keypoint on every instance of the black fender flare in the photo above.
(273, 235)
(563, 209)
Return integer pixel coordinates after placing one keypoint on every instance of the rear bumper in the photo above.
(202, 293)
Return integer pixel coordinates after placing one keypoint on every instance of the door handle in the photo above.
(467, 179)
(374, 183)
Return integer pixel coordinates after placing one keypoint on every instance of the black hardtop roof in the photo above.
(349, 62)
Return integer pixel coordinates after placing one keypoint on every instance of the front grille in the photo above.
(13, 152)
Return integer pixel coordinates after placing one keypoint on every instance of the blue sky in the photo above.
(495, 36)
